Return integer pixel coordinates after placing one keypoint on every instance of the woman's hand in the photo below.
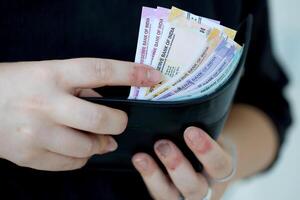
(182, 179)
(44, 125)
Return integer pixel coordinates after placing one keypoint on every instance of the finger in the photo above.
(73, 143)
(83, 115)
(87, 93)
(156, 181)
(185, 178)
(93, 72)
(216, 161)
(49, 161)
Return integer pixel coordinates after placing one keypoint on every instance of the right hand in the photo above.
(43, 123)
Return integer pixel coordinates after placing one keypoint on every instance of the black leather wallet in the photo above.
(153, 120)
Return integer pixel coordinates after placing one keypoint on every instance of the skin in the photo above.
(246, 127)
(45, 126)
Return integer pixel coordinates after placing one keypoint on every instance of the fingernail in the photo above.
(141, 163)
(154, 76)
(198, 140)
(112, 145)
(163, 148)
(194, 136)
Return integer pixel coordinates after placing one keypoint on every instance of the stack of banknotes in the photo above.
(196, 55)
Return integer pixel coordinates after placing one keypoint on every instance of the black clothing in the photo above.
(40, 30)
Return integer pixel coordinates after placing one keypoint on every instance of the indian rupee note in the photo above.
(145, 33)
(223, 51)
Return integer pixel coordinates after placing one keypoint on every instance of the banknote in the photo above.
(162, 15)
(186, 19)
(196, 55)
(212, 42)
(158, 27)
(224, 51)
(145, 34)
(177, 15)
(220, 69)
(179, 49)
(213, 85)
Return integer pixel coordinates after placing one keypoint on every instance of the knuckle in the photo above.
(43, 72)
(221, 165)
(27, 133)
(102, 70)
(60, 70)
(35, 102)
(197, 189)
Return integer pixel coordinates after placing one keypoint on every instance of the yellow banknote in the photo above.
(179, 16)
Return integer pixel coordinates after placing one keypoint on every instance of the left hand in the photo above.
(182, 179)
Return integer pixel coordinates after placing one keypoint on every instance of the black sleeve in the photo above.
(264, 81)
